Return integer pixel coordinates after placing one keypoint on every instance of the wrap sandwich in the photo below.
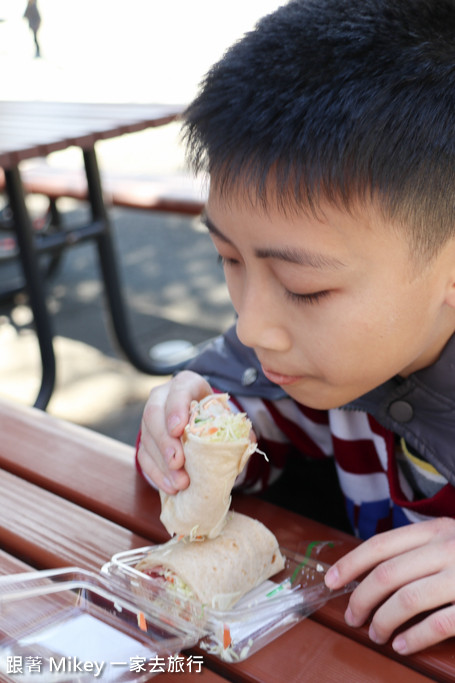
(217, 572)
(217, 447)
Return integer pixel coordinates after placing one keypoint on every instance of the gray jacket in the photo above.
(419, 408)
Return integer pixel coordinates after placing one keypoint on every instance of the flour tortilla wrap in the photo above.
(219, 571)
(217, 447)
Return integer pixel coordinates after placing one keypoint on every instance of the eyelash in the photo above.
(223, 261)
(313, 298)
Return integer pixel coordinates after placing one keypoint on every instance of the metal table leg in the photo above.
(34, 283)
(29, 251)
(111, 276)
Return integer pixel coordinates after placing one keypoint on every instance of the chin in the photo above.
(317, 400)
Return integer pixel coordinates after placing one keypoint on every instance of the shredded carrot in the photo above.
(141, 621)
(211, 400)
(212, 430)
(226, 637)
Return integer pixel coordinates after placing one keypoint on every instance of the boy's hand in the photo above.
(410, 570)
(165, 416)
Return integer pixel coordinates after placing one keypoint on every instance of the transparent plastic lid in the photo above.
(259, 617)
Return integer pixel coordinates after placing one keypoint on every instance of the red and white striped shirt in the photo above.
(378, 491)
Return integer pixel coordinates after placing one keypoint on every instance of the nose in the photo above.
(260, 324)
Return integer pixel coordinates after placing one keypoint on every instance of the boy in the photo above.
(328, 135)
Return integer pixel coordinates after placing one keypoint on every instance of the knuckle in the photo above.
(188, 378)
(443, 525)
(148, 466)
(383, 574)
(145, 457)
(376, 545)
(162, 444)
(183, 378)
(410, 598)
(150, 410)
(442, 622)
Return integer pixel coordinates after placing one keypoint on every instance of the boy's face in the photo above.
(332, 306)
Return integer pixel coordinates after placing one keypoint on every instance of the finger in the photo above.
(152, 472)
(416, 597)
(169, 481)
(160, 455)
(155, 437)
(187, 386)
(434, 629)
(382, 547)
(387, 578)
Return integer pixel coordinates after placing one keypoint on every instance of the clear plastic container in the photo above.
(71, 625)
(259, 617)
(74, 626)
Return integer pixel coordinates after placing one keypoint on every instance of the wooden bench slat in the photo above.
(12, 565)
(54, 532)
(177, 193)
(47, 531)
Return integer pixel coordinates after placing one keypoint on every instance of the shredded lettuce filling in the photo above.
(216, 423)
(222, 427)
(175, 583)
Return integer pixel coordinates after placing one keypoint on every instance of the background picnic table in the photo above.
(143, 51)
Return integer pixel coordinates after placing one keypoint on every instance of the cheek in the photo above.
(347, 339)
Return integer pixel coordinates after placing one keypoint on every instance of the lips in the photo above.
(280, 378)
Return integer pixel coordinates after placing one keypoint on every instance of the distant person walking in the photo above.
(34, 21)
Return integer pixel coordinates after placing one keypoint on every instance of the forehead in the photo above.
(289, 217)
(333, 233)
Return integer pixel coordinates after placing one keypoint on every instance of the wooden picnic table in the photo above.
(29, 130)
(72, 497)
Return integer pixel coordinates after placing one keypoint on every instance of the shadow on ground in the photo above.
(174, 289)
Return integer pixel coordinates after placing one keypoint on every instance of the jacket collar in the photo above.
(420, 408)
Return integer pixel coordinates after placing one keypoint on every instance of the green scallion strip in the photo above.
(308, 552)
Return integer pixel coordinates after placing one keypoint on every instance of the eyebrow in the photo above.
(301, 257)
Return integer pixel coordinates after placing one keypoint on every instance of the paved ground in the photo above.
(174, 289)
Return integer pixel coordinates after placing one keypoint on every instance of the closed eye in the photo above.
(225, 261)
(313, 298)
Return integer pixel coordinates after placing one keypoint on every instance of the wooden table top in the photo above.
(71, 497)
(32, 129)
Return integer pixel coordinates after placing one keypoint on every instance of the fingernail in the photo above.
(372, 635)
(349, 617)
(169, 454)
(173, 422)
(332, 577)
(168, 483)
(175, 479)
(400, 645)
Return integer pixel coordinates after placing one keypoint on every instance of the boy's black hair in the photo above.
(338, 100)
